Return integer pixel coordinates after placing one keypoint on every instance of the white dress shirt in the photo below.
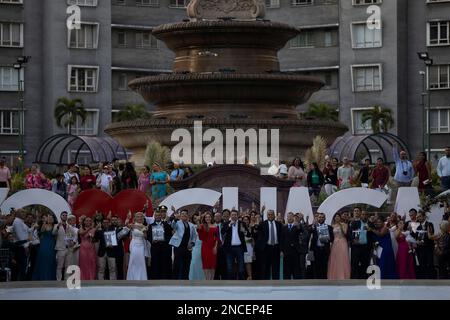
(235, 241)
(443, 167)
(21, 230)
(274, 232)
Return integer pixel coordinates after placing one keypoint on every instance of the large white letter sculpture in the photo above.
(29, 197)
(187, 197)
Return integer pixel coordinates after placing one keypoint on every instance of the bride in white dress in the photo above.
(137, 268)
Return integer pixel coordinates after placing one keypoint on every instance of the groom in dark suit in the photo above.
(269, 239)
(290, 246)
(322, 237)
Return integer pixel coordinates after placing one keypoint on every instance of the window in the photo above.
(83, 3)
(178, 3)
(84, 38)
(11, 34)
(123, 82)
(439, 120)
(359, 127)
(12, 1)
(364, 2)
(272, 3)
(9, 80)
(439, 76)
(146, 40)
(438, 33)
(90, 125)
(122, 39)
(120, 2)
(363, 37)
(303, 40)
(328, 39)
(301, 2)
(83, 79)
(366, 78)
(150, 3)
(9, 122)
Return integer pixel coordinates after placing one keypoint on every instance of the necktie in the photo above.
(290, 227)
(272, 234)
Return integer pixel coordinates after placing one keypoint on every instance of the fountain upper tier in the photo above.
(212, 46)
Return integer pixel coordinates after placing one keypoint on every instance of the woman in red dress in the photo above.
(88, 257)
(207, 233)
(423, 170)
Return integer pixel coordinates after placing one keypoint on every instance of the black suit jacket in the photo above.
(227, 233)
(264, 232)
(290, 239)
(356, 226)
(167, 232)
(111, 252)
(315, 237)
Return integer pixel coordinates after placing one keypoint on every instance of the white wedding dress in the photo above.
(137, 269)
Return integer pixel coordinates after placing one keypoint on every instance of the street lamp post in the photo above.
(21, 62)
(424, 56)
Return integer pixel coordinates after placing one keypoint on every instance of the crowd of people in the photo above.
(227, 244)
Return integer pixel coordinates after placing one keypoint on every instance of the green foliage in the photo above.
(156, 153)
(132, 112)
(317, 152)
(67, 111)
(322, 111)
(380, 119)
(17, 182)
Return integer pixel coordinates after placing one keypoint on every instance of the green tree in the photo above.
(67, 111)
(380, 119)
(322, 111)
(132, 112)
(156, 153)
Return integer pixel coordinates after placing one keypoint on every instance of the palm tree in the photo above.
(67, 111)
(322, 111)
(380, 119)
(132, 112)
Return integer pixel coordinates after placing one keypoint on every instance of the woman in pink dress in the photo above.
(88, 257)
(144, 180)
(339, 261)
(73, 190)
(405, 258)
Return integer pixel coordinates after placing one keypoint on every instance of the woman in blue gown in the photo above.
(386, 261)
(45, 268)
(196, 268)
(158, 181)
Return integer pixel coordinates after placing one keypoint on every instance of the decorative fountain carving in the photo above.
(226, 73)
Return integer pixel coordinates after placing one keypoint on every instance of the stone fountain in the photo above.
(226, 73)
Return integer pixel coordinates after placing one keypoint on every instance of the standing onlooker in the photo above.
(360, 244)
(380, 175)
(364, 174)
(385, 252)
(269, 240)
(423, 170)
(248, 255)
(196, 271)
(129, 177)
(71, 172)
(106, 235)
(442, 249)
(158, 180)
(425, 247)
(233, 235)
(87, 180)
(443, 170)
(61, 246)
(45, 268)
(404, 170)
(36, 179)
(144, 180)
(5, 175)
(208, 234)
(339, 261)
(345, 174)
(105, 181)
(290, 246)
(330, 176)
(221, 265)
(88, 256)
(297, 173)
(177, 173)
(159, 234)
(72, 241)
(183, 240)
(315, 180)
(21, 233)
(73, 190)
(322, 237)
(122, 236)
(405, 257)
(59, 186)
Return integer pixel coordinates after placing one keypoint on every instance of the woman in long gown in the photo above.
(386, 261)
(405, 258)
(137, 268)
(208, 234)
(196, 267)
(339, 261)
(158, 181)
(45, 267)
(88, 256)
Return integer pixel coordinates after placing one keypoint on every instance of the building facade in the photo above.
(361, 66)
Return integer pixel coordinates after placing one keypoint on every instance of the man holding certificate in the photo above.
(107, 237)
